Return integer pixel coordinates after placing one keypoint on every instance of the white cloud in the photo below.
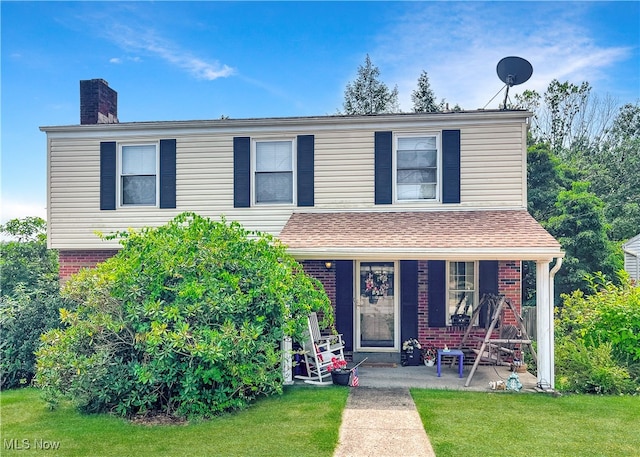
(140, 40)
(460, 43)
(115, 60)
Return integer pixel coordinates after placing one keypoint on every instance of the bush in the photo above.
(30, 298)
(594, 370)
(23, 318)
(185, 320)
(599, 338)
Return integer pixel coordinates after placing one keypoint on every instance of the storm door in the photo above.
(377, 307)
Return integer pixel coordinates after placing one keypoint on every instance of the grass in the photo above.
(502, 424)
(303, 421)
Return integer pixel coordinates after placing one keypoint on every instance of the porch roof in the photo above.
(442, 235)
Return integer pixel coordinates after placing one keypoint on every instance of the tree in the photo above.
(368, 95)
(612, 168)
(567, 116)
(546, 178)
(185, 320)
(27, 229)
(581, 229)
(424, 99)
(27, 261)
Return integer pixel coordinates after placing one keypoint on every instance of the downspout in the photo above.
(552, 275)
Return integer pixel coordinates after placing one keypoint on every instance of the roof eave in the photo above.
(455, 254)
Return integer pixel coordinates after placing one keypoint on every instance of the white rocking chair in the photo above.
(319, 350)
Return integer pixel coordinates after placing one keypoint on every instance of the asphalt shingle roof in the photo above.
(423, 230)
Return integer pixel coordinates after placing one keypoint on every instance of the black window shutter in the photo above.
(108, 175)
(437, 293)
(451, 166)
(241, 172)
(305, 170)
(487, 284)
(383, 146)
(408, 299)
(167, 173)
(344, 301)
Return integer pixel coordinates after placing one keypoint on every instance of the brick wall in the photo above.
(509, 281)
(327, 276)
(73, 261)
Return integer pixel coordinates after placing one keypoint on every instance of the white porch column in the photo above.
(287, 366)
(544, 323)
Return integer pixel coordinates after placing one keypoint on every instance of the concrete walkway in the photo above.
(382, 422)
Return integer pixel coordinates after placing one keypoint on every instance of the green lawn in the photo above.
(532, 425)
(304, 421)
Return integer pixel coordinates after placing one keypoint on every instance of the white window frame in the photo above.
(119, 189)
(476, 266)
(438, 186)
(254, 199)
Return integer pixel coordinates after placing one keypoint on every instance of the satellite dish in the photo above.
(513, 71)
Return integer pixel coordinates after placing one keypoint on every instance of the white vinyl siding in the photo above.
(632, 257)
(492, 165)
(493, 168)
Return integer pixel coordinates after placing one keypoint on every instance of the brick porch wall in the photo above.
(509, 281)
(72, 262)
(509, 284)
(318, 270)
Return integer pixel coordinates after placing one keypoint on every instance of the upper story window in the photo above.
(138, 175)
(417, 168)
(461, 292)
(274, 162)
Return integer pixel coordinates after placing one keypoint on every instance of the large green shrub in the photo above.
(24, 316)
(29, 300)
(591, 369)
(598, 337)
(185, 320)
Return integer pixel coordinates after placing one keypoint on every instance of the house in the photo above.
(407, 219)
(632, 257)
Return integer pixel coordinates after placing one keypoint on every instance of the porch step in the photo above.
(387, 358)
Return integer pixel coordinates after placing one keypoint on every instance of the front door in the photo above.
(377, 308)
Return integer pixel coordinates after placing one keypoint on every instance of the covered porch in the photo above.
(423, 377)
(423, 265)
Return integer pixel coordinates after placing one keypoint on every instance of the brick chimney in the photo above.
(98, 102)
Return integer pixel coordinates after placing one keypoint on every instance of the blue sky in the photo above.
(201, 60)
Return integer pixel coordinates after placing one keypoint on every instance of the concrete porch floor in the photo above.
(425, 377)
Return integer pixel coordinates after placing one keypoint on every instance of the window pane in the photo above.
(427, 142)
(274, 156)
(417, 176)
(138, 190)
(139, 160)
(274, 187)
(462, 293)
(416, 168)
(416, 191)
(417, 159)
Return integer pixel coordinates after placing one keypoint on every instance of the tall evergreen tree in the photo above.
(424, 99)
(368, 95)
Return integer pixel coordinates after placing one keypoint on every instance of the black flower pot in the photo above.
(412, 357)
(340, 377)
